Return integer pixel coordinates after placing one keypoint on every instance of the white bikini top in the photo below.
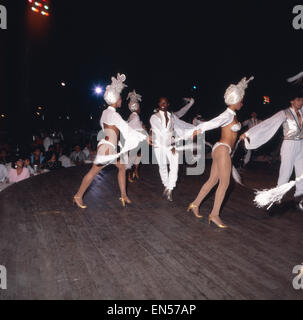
(223, 120)
(236, 127)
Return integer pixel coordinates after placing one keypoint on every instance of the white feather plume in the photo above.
(268, 197)
(296, 79)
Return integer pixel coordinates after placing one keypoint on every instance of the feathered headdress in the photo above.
(235, 93)
(134, 101)
(113, 91)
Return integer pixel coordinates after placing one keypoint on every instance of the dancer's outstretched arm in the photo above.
(264, 131)
(181, 113)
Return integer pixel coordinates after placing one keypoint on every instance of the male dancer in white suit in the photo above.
(292, 146)
(163, 126)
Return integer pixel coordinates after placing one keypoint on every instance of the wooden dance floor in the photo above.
(152, 249)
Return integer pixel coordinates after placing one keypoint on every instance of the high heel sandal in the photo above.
(221, 226)
(193, 206)
(78, 204)
(125, 201)
(131, 180)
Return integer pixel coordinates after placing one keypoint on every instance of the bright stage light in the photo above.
(98, 90)
(63, 84)
(41, 7)
(35, 9)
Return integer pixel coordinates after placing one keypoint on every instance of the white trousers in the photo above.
(165, 157)
(291, 158)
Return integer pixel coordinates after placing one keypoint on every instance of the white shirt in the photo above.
(3, 173)
(47, 142)
(66, 161)
(162, 133)
(86, 152)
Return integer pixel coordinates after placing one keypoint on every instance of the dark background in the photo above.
(164, 48)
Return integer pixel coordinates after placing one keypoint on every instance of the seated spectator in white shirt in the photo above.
(3, 173)
(78, 156)
(87, 150)
(65, 160)
(19, 173)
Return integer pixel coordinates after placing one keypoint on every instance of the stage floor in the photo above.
(152, 249)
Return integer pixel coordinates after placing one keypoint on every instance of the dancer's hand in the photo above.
(173, 150)
(242, 137)
(189, 100)
(196, 132)
(150, 140)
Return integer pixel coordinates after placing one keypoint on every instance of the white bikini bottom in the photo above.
(218, 144)
(103, 141)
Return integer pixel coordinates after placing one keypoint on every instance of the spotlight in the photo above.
(98, 90)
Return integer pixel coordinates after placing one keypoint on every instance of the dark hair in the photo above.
(49, 156)
(15, 159)
(163, 97)
(294, 94)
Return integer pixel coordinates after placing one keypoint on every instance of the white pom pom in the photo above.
(268, 197)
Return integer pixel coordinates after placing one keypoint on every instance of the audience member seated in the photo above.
(50, 152)
(58, 149)
(27, 164)
(78, 156)
(4, 157)
(51, 162)
(87, 150)
(18, 173)
(3, 173)
(65, 160)
(37, 158)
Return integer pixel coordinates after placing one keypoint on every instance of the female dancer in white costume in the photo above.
(135, 123)
(112, 124)
(221, 165)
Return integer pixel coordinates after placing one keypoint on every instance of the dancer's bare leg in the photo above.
(122, 179)
(223, 161)
(88, 179)
(209, 184)
(86, 182)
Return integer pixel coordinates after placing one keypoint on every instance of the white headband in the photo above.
(113, 91)
(235, 93)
